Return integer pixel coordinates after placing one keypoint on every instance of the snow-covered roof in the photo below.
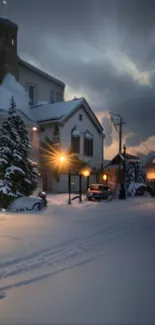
(56, 111)
(10, 87)
(61, 111)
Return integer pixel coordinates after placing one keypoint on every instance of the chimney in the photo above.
(8, 48)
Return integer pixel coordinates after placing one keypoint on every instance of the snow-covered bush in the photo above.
(135, 173)
(17, 174)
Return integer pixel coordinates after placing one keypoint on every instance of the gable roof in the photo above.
(119, 159)
(40, 72)
(60, 112)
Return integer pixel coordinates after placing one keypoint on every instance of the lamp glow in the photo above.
(34, 128)
(85, 172)
(105, 177)
(62, 159)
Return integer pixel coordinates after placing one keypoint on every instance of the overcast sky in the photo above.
(103, 50)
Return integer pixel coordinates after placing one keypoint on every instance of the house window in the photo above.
(88, 146)
(52, 97)
(31, 92)
(75, 142)
(80, 117)
(58, 97)
(55, 97)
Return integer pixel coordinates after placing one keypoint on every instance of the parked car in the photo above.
(98, 192)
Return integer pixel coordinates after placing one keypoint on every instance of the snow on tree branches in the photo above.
(17, 174)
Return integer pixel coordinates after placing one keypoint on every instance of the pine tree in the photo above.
(18, 174)
(6, 146)
(56, 138)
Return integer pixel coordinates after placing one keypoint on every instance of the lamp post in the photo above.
(80, 188)
(69, 188)
(64, 159)
(105, 178)
(86, 173)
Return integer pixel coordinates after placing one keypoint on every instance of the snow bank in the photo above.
(25, 204)
(133, 187)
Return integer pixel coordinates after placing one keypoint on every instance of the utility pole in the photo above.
(117, 121)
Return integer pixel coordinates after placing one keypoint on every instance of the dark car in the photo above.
(98, 192)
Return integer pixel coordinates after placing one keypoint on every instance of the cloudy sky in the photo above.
(103, 50)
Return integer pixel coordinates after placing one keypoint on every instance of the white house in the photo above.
(40, 100)
(79, 129)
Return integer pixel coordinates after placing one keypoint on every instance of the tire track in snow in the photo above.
(66, 250)
(69, 254)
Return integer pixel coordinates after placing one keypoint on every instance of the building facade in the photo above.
(43, 106)
(79, 131)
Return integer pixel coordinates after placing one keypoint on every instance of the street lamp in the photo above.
(86, 173)
(34, 128)
(105, 177)
(62, 159)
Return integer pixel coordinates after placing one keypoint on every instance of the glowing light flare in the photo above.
(105, 177)
(34, 128)
(60, 159)
(151, 175)
(85, 172)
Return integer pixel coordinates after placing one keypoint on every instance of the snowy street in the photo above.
(85, 263)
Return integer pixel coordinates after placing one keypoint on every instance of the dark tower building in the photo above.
(8, 48)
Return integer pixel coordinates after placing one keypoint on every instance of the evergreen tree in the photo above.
(6, 145)
(20, 172)
(56, 138)
(17, 171)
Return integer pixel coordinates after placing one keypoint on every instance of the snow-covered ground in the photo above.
(90, 263)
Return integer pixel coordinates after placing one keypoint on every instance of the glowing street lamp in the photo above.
(62, 159)
(86, 173)
(34, 128)
(105, 177)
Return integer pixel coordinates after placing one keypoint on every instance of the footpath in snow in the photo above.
(94, 262)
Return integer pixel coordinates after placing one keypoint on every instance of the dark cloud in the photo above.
(106, 48)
